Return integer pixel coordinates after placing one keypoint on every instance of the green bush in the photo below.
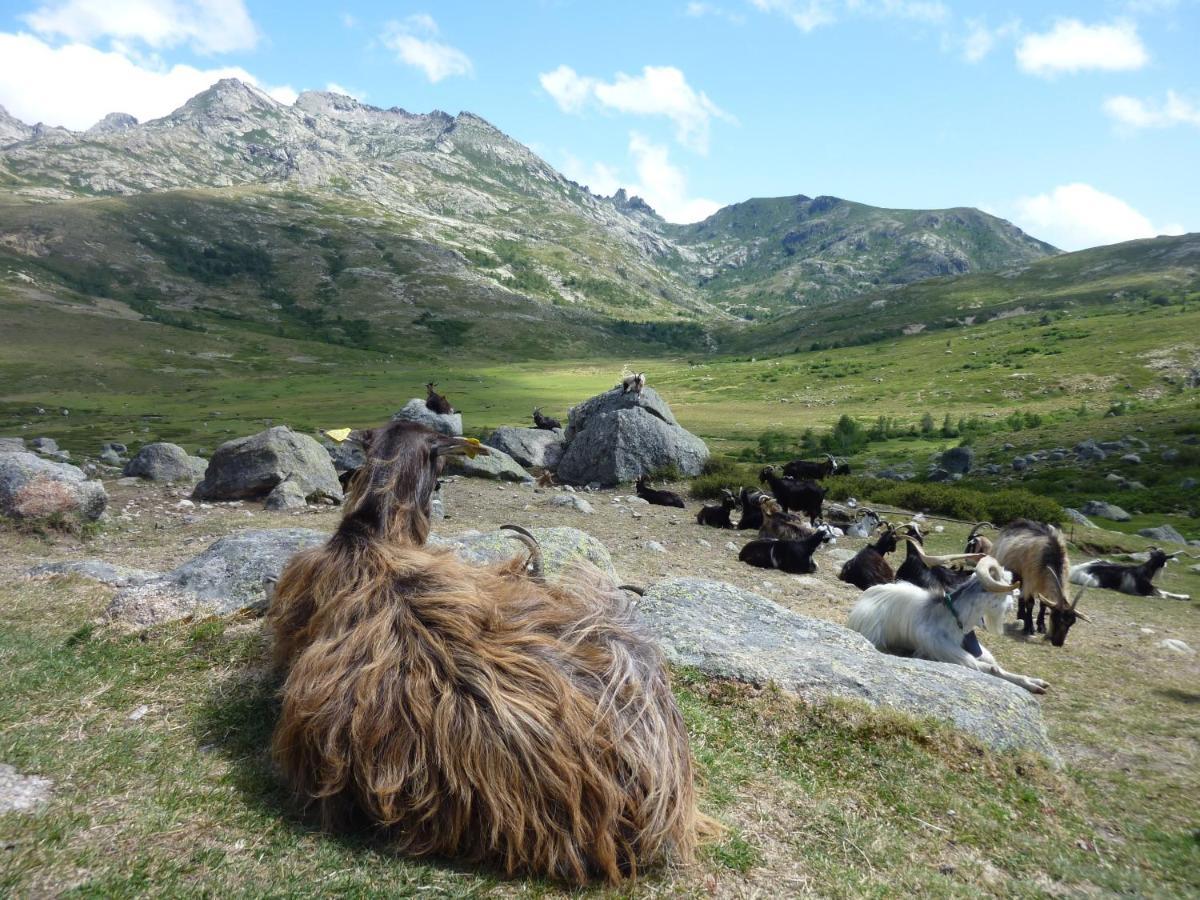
(957, 502)
(721, 473)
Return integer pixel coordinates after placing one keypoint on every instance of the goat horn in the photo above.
(988, 571)
(946, 561)
(632, 588)
(535, 550)
(979, 525)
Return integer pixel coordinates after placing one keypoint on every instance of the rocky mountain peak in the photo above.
(229, 98)
(632, 203)
(112, 123)
(12, 129)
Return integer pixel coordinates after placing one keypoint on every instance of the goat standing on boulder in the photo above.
(435, 402)
(633, 383)
(470, 712)
(545, 423)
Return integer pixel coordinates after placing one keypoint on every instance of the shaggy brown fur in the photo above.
(473, 712)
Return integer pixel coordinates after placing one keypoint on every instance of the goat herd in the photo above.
(485, 714)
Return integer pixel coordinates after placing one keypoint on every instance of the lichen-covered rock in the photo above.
(226, 578)
(1105, 511)
(11, 444)
(616, 437)
(97, 570)
(1163, 533)
(494, 464)
(36, 488)
(415, 410)
(731, 633)
(530, 447)
(561, 549)
(249, 468)
(286, 495)
(1078, 518)
(570, 501)
(164, 462)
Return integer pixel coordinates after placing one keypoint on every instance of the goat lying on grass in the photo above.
(793, 557)
(869, 566)
(718, 516)
(907, 619)
(657, 497)
(783, 526)
(751, 503)
(473, 712)
(1127, 579)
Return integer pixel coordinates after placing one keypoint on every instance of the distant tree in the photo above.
(927, 425)
(948, 429)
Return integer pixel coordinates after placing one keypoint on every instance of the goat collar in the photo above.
(948, 602)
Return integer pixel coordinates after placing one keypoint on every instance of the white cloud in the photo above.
(809, 15)
(981, 40)
(1135, 113)
(349, 20)
(1075, 216)
(207, 26)
(657, 181)
(698, 10)
(658, 91)
(334, 88)
(76, 85)
(413, 41)
(1072, 46)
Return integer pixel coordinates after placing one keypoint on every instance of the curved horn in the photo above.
(535, 550)
(989, 572)
(979, 525)
(632, 588)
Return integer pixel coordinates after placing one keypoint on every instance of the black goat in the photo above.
(1127, 579)
(435, 402)
(718, 516)
(544, 422)
(916, 571)
(803, 496)
(793, 557)
(752, 516)
(869, 566)
(656, 497)
(803, 468)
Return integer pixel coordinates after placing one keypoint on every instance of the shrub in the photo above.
(722, 473)
(957, 502)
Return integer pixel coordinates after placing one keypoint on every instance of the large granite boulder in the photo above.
(251, 467)
(562, 548)
(11, 444)
(415, 410)
(731, 633)
(530, 447)
(228, 577)
(347, 456)
(1105, 510)
(1163, 533)
(164, 462)
(958, 460)
(616, 437)
(494, 464)
(36, 488)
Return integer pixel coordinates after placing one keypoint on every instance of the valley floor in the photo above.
(156, 743)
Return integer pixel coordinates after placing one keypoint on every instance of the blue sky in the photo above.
(1079, 121)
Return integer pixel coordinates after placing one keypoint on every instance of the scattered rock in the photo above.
(1078, 518)
(162, 462)
(938, 475)
(654, 547)
(731, 547)
(1189, 484)
(35, 488)
(21, 793)
(97, 570)
(495, 464)
(227, 577)
(958, 460)
(570, 501)
(731, 633)
(530, 447)
(1105, 511)
(286, 495)
(1020, 464)
(110, 457)
(615, 437)
(1175, 646)
(1132, 458)
(1089, 451)
(1170, 455)
(1163, 533)
(251, 467)
(415, 410)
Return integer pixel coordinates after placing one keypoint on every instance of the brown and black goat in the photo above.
(435, 402)
(473, 712)
(1036, 554)
(718, 516)
(780, 525)
(869, 566)
(976, 542)
(545, 423)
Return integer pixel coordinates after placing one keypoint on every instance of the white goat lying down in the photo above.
(904, 618)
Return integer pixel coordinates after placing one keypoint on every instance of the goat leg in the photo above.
(989, 666)
(1041, 628)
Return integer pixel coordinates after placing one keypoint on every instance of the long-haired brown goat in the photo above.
(473, 712)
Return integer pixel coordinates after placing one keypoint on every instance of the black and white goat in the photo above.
(1037, 555)
(869, 566)
(718, 516)
(544, 422)
(803, 496)
(1128, 579)
(633, 383)
(906, 619)
(793, 557)
(436, 402)
(657, 497)
(751, 503)
(803, 468)
(916, 568)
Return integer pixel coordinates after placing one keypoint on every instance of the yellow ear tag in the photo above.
(473, 447)
(338, 434)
